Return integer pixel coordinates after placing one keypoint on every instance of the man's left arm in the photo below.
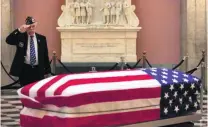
(47, 67)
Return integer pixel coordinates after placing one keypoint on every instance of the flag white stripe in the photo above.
(24, 96)
(106, 106)
(97, 87)
(33, 90)
(42, 113)
(50, 91)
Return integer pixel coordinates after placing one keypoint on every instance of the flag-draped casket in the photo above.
(110, 98)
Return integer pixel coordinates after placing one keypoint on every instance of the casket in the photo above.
(111, 98)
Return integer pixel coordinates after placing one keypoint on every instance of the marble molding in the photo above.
(7, 51)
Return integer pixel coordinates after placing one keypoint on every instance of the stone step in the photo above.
(8, 110)
(10, 97)
(11, 123)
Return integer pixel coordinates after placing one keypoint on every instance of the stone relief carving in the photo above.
(77, 8)
(71, 9)
(83, 12)
(89, 8)
(118, 10)
(115, 13)
(66, 19)
(106, 12)
(130, 16)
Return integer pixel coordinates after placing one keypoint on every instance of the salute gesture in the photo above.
(23, 28)
(31, 55)
(29, 26)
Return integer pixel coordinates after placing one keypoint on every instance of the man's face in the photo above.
(31, 29)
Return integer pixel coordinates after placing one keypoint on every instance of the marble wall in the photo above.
(7, 51)
(160, 34)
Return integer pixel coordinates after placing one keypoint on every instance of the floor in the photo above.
(11, 106)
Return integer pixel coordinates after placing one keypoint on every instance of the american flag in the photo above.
(179, 92)
(109, 98)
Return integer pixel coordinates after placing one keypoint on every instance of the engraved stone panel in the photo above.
(98, 46)
(102, 46)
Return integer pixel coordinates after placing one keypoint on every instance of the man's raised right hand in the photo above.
(23, 28)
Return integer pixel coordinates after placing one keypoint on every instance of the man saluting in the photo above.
(31, 61)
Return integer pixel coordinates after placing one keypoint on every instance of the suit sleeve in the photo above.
(12, 38)
(46, 59)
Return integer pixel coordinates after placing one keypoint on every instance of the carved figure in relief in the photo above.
(89, 8)
(131, 18)
(64, 19)
(83, 12)
(77, 11)
(113, 12)
(106, 12)
(70, 7)
(118, 10)
(127, 11)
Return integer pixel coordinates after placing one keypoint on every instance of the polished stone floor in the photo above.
(11, 106)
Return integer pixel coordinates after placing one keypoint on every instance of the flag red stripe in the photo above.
(40, 92)
(95, 97)
(92, 121)
(104, 96)
(31, 104)
(28, 121)
(100, 80)
(26, 89)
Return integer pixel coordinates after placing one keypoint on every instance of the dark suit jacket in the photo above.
(20, 41)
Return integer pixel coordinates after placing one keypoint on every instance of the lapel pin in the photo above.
(21, 44)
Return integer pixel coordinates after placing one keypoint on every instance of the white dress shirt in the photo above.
(27, 57)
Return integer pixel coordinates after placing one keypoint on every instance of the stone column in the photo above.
(7, 51)
(206, 77)
(193, 31)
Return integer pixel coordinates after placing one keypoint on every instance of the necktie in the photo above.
(32, 51)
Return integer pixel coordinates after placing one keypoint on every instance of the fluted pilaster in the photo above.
(7, 51)
(193, 30)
